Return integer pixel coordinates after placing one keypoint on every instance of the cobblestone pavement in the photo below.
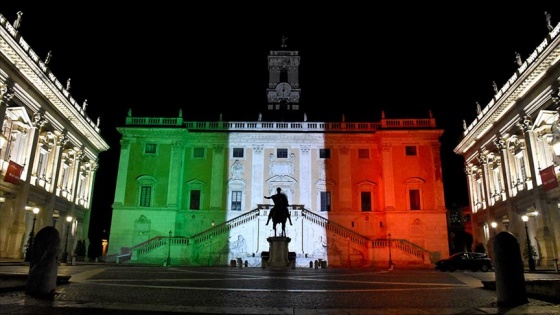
(125, 289)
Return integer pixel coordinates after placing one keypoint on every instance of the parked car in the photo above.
(465, 261)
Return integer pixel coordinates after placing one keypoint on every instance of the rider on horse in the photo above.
(279, 213)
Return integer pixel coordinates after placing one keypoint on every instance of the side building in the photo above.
(512, 158)
(49, 151)
(360, 193)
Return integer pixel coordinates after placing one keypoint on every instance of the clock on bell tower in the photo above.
(283, 90)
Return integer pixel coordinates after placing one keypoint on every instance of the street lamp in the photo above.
(169, 251)
(529, 249)
(390, 254)
(29, 249)
(65, 254)
(55, 217)
(494, 225)
(505, 222)
(348, 241)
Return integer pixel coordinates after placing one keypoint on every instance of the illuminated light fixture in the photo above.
(494, 225)
(65, 254)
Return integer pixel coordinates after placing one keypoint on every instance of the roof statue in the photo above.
(464, 125)
(48, 58)
(495, 86)
(129, 112)
(518, 59)
(84, 105)
(548, 21)
(17, 22)
(180, 113)
(98, 121)
(284, 39)
(478, 109)
(68, 84)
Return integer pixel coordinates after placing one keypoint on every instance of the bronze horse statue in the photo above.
(279, 213)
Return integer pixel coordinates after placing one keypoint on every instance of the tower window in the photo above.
(366, 200)
(410, 150)
(150, 148)
(237, 152)
(198, 152)
(236, 200)
(325, 201)
(282, 153)
(363, 153)
(414, 195)
(195, 200)
(145, 196)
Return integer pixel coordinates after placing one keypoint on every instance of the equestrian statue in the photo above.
(279, 213)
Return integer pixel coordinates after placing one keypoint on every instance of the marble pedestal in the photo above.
(278, 252)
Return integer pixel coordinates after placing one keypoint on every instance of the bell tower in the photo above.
(283, 79)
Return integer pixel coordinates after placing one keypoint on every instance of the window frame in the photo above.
(281, 153)
(411, 150)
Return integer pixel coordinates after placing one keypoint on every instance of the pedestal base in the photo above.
(278, 251)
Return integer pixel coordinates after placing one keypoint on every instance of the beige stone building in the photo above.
(512, 160)
(48, 150)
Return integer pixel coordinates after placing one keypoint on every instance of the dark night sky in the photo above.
(355, 60)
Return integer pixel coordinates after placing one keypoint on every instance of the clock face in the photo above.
(283, 90)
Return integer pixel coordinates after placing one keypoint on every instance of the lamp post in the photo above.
(29, 249)
(55, 217)
(169, 250)
(505, 222)
(529, 249)
(65, 253)
(494, 225)
(348, 241)
(390, 254)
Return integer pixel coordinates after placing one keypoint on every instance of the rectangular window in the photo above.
(414, 195)
(325, 153)
(41, 165)
(237, 152)
(363, 153)
(198, 152)
(195, 200)
(145, 196)
(281, 153)
(236, 200)
(366, 200)
(150, 148)
(325, 201)
(410, 150)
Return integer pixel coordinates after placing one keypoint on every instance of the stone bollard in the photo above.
(246, 263)
(510, 279)
(316, 264)
(310, 264)
(240, 263)
(43, 268)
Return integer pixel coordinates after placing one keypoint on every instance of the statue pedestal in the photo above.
(278, 251)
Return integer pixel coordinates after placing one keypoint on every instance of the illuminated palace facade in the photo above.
(361, 193)
(512, 157)
(48, 151)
